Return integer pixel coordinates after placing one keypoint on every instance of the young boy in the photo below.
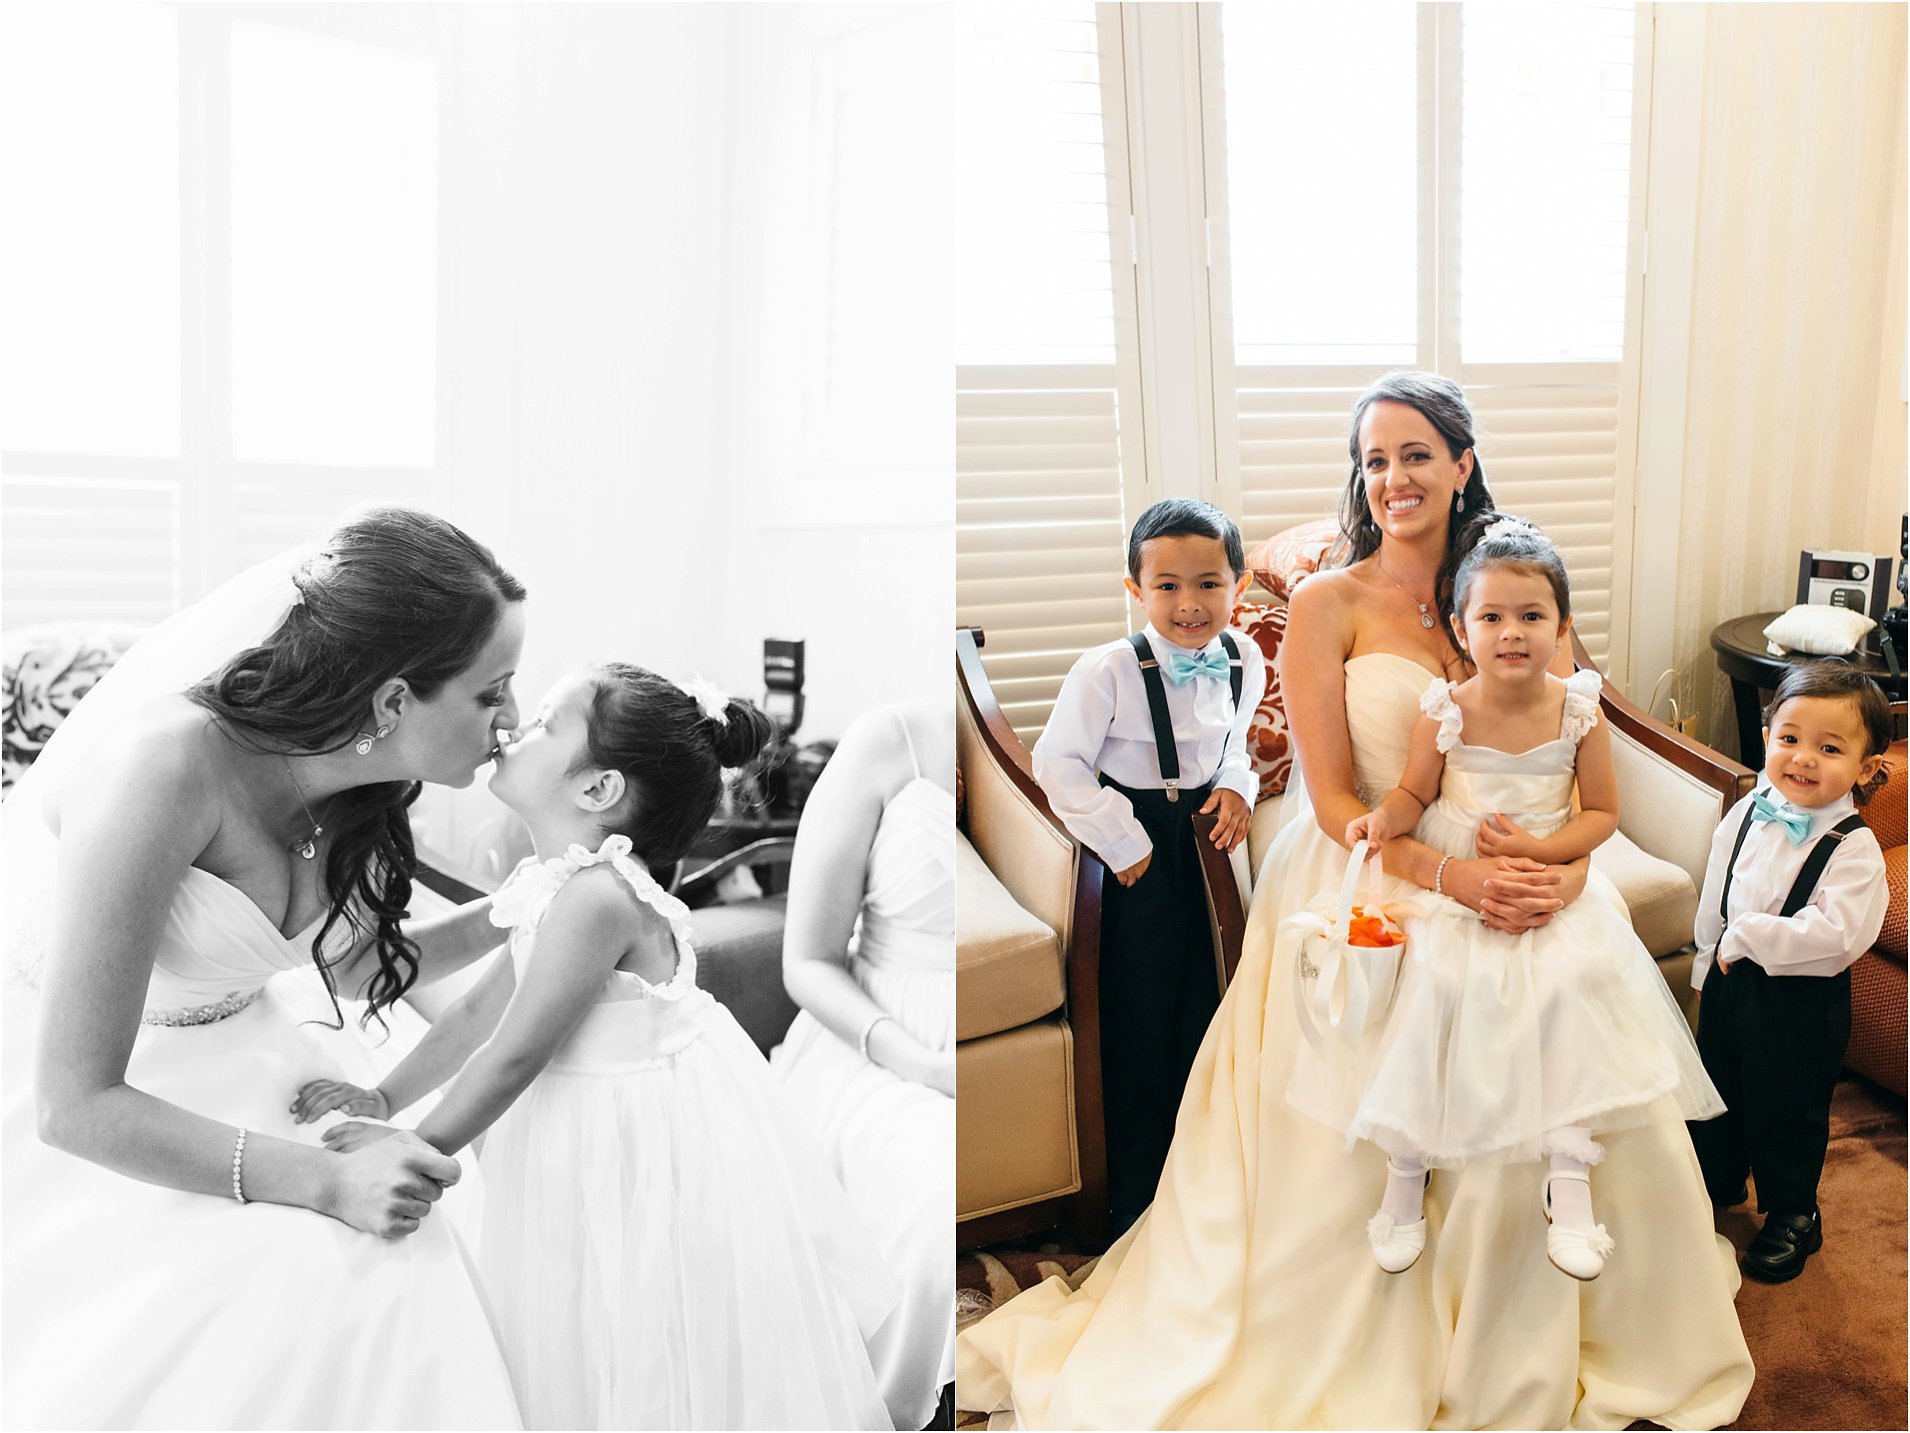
(1147, 731)
(1793, 894)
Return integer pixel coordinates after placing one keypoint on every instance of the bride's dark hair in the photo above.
(394, 592)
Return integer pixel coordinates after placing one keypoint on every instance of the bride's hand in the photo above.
(1511, 893)
(319, 1097)
(388, 1187)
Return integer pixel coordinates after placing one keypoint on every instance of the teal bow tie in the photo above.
(1796, 824)
(1183, 667)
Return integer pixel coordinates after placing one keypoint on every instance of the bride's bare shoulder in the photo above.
(167, 751)
(1326, 602)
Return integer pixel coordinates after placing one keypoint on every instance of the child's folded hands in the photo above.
(1506, 838)
(317, 1097)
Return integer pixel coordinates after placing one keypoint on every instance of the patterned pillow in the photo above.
(1267, 740)
(1279, 563)
(48, 668)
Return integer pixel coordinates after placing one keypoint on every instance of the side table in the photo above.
(1744, 657)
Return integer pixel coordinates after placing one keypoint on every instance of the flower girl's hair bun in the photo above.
(1499, 539)
(671, 742)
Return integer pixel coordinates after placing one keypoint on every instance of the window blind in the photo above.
(1046, 373)
(1524, 258)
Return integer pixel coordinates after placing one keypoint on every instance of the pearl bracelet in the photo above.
(866, 1029)
(238, 1167)
(1439, 877)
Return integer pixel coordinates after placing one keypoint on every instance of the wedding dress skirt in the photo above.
(129, 1305)
(1247, 1296)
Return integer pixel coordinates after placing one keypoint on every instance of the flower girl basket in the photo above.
(1348, 960)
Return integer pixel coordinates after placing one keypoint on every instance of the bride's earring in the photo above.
(365, 739)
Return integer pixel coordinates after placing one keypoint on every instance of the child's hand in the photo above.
(1507, 838)
(354, 1134)
(1230, 825)
(322, 1096)
(1373, 828)
(1134, 872)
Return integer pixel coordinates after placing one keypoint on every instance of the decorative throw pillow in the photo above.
(48, 668)
(1821, 631)
(1267, 742)
(1281, 562)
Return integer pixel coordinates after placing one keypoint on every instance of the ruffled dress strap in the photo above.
(522, 901)
(1436, 702)
(1581, 705)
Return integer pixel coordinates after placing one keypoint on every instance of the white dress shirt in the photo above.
(1101, 723)
(1840, 922)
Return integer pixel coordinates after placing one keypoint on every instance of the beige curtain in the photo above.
(1794, 422)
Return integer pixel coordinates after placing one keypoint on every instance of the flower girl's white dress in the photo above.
(662, 1242)
(1496, 1040)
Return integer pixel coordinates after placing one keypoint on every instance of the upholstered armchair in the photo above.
(1030, 1143)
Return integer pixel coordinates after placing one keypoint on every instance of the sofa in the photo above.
(1029, 1139)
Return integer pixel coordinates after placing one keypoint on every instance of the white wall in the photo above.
(643, 264)
(841, 538)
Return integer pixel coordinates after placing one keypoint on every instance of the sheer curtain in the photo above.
(1794, 415)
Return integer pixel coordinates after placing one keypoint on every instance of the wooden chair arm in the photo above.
(770, 851)
(1224, 918)
(1730, 779)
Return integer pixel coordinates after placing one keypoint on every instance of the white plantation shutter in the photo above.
(1528, 255)
(149, 413)
(1549, 443)
(1040, 535)
(1046, 374)
(89, 549)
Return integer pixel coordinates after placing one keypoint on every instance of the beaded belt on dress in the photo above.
(203, 1014)
(29, 975)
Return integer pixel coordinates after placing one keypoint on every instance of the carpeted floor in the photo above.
(1829, 1345)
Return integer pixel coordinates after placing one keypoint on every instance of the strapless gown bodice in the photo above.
(214, 955)
(903, 951)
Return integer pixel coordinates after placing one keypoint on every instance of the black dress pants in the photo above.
(1159, 991)
(1773, 1045)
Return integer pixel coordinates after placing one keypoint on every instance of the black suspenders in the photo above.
(1157, 704)
(1807, 875)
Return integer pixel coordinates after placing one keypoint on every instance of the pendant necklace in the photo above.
(1425, 616)
(305, 846)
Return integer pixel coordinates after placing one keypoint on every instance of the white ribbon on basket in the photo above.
(1350, 985)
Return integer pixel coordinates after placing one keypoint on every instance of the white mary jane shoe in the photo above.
(1396, 1246)
(1578, 1252)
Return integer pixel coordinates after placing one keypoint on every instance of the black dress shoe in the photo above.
(1782, 1245)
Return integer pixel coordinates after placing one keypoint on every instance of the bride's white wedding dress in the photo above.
(132, 1305)
(1247, 1296)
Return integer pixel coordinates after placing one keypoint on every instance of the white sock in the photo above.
(1572, 1199)
(1405, 1188)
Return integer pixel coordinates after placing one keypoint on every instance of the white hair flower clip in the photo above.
(712, 698)
(1509, 526)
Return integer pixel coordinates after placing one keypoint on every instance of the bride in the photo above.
(1247, 1296)
(227, 804)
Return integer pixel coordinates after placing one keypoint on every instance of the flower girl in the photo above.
(1503, 1046)
(662, 1244)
